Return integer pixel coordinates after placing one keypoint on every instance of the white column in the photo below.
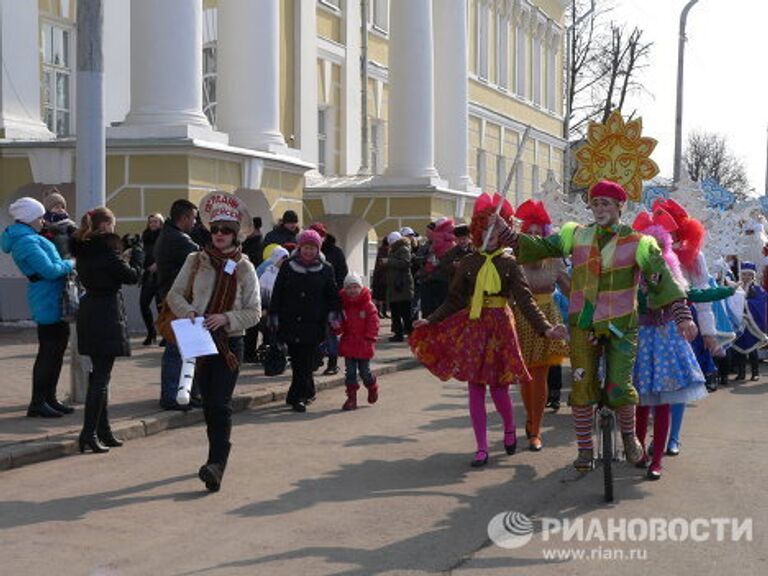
(521, 37)
(91, 142)
(411, 96)
(306, 79)
(166, 70)
(554, 39)
(451, 89)
(538, 29)
(350, 95)
(20, 117)
(248, 68)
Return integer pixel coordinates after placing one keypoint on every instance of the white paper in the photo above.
(193, 339)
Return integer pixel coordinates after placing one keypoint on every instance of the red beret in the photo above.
(608, 189)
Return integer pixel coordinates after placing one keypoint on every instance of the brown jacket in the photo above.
(513, 286)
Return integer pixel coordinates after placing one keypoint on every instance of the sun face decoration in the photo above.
(617, 151)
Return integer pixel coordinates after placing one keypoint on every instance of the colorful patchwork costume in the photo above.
(607, 263)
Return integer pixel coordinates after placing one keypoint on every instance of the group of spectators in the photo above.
(412, 273)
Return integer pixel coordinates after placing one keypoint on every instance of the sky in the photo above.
(725, 84)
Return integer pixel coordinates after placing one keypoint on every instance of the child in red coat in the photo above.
(359, 330)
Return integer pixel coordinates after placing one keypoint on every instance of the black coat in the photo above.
(280, 235)
(102, 326)
(254, 248)
(301, 300)
(171, 250)
(149, 239)
(335, 257)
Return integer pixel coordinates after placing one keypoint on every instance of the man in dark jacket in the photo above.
(171, 250)
(253, 247)
(285, 232)
(335, 257)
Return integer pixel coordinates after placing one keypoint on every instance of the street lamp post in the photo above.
(679, 115)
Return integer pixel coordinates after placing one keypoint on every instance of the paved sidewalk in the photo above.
(135, 390)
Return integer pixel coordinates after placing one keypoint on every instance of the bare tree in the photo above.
(707, 155)
(605, 64)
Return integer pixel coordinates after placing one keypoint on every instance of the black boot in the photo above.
(723, 380)
(43, 410)
(754, 364)
(94, 402)
(741, 367)
(212, 472)
(50, 399)
(711, 382)
(104, 430)
(333, 366)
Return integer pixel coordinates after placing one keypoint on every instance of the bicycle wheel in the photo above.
(607, 425)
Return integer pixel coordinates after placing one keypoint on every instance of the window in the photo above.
(333, 4)
(210, 16)
(501, 172)
(481, 180)
(209, 83)
(482, 40)
(378, 13)
(377, 147)
(502, 61)
(56, 82)
(322, 140)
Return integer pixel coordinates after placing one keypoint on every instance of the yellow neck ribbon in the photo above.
(488, 282)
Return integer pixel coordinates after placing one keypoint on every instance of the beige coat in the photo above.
(246, 310)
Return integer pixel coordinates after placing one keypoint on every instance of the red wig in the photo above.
(486, 205)
(533, 213)
(690, 233)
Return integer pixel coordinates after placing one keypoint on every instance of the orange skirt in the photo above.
(482, 351)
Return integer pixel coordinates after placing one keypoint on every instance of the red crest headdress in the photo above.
(485, 205)
(533, 212)
(690, 233)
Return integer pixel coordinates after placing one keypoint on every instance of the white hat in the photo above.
(26, 210)
(218, 206)
(393, 237)
(407, 231)
(353, 278)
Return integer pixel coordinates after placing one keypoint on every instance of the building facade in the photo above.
(268, 99)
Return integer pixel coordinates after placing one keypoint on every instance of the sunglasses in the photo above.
(221, 229)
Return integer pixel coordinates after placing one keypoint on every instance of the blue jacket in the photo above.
(37, 256)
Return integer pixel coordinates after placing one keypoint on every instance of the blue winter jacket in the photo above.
(37, 257)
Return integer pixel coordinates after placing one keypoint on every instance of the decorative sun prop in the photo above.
(617, 151)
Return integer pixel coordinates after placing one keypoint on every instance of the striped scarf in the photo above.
(222, 299)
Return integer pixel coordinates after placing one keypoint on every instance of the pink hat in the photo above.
(309, 237)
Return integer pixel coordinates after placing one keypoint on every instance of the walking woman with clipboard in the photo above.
(225, 292)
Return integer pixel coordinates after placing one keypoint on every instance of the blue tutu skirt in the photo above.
(666, 370)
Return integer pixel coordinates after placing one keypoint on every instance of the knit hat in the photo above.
(407, 231)
(26, 210)
(608, 189)
(290, 217)
(393, 237)
(461, 230)
(353, 278)
(309, 236)
(320, 228)
(277, 254)
(54, 200)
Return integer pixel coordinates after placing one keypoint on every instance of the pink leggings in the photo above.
(503, 403)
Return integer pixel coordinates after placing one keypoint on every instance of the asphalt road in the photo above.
(386, 490)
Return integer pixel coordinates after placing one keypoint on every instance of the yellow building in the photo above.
(265, 98)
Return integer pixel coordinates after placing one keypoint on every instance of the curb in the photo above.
(32, 452)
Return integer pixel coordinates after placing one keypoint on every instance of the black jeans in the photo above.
(302, 366)
(217, 384)
(147, 294)
(402, 321)
(53, 340)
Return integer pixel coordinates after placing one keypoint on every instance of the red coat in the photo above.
(360, 326)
